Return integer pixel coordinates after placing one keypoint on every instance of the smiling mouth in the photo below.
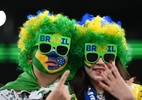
(52, 63)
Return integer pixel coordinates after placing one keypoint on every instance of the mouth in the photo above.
(52, 63)
(98, 70)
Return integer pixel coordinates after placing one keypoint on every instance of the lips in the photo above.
(51, 63)
(98, 69)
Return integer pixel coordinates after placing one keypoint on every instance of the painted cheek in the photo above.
(42, 58)
(62, 66)
(88, 65)
(62, 62)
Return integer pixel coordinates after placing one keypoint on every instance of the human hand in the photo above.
(61, 92)
(115, 84)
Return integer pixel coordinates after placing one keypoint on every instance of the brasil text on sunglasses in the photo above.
(94, 51)
(60, 44)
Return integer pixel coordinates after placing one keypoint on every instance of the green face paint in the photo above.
(47, 42)
(94, 51)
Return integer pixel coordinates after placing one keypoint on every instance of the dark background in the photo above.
(127, 11)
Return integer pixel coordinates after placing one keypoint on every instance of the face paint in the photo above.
(94, 51)
(54, 59)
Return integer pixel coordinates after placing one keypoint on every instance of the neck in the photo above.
(43, 79)
(97, 87)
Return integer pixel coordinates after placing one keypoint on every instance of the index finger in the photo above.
(63, 78)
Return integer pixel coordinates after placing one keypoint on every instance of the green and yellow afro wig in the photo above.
(45, 23)
(102, 30)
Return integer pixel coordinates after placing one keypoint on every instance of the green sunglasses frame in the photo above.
(54, 41)
(100, 50)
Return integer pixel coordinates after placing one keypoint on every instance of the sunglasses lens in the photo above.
(62, 50)
(108, 57)
(45, 48)
(92, 57)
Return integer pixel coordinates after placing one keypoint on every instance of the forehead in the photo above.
(91, 47)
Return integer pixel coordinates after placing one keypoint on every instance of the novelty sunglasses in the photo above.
(94, 51)
(60, 44)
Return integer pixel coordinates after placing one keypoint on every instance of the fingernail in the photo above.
(134, 78)
(110, 61)
(98, 82)
(99, 72)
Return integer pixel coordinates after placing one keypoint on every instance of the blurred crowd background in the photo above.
(127, 11)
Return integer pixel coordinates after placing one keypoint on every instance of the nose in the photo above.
(52, 54)
(100, 61)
